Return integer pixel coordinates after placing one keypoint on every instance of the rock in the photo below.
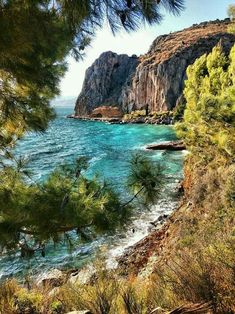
(136, 257)
(155, 225)
(107, 112)
(83, 275)
(159, 78)
(104, 82)
(153, 81)
(162, 217)
(54, 278)
(180, 187)
(173, 145)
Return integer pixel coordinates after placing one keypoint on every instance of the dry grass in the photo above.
(207, 277)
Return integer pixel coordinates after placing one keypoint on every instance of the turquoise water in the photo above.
(109, 148)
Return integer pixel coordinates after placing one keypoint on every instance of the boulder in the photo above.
(172, 145)
(53, 278)
(106, 112)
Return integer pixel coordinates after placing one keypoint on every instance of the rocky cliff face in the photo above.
(159, 78)
(104, 82)
(154, 80)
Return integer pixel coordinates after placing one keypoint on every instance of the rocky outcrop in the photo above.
(104, 82)
(172, 145)
(155, 80)
(139, 116)
(159, 78)
(106, 112)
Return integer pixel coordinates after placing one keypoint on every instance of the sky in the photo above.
(138, 42)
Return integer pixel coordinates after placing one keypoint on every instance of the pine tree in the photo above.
(35, 39)
(209, 119)
(32, 215)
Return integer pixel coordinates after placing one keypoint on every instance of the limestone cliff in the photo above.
(104, 82)
(159, 78)
(155, 79)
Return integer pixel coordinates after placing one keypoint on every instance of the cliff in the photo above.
(104, 82)
(159, 78)
(154, 80)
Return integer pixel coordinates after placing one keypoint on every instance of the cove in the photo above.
(109, 148)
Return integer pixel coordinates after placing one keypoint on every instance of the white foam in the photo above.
(141, 227)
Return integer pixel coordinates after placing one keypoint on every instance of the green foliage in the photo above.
(31, 65)
(208, 129)
(206, 240)
(142, 114)
(31, 215)
(29, 301)
(134, 115)
(145, 179)
(209, 118)
(57, 307)
(36, 36)
(7, 292)
(179, 111)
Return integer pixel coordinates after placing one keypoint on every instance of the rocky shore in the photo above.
(133, 260)
(104, 119)
(165, 118)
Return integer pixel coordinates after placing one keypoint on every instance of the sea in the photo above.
(109, 149)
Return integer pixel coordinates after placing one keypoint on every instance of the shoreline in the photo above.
(165, 118)
(131, 250)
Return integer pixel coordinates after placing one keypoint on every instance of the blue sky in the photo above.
(138, 42)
